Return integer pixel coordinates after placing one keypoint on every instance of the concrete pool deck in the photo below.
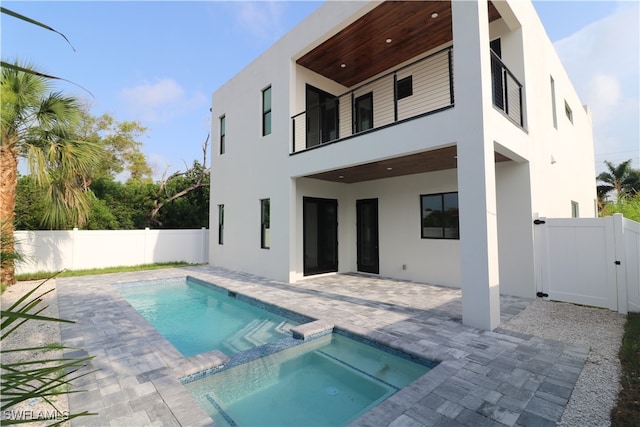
(483, 378)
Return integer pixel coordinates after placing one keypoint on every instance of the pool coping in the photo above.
(499, 377)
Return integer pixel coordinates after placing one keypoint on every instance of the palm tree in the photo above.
(39, 126)
(620, 178)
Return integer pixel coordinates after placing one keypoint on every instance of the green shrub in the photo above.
(627, 206)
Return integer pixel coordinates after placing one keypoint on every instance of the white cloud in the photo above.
(604, 96)
(158, 164)
(160, 101)
(262, 19)
(154, 95)
(602, 60)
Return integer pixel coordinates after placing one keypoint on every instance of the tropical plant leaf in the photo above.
(33, 21)
(10, 315)
(41, 74)
(46, 347)
(36, 377)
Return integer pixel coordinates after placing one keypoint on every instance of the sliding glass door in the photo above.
(320, 222)
(322, 116)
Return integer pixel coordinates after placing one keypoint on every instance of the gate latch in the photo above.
(541, 295)
(539, 221)
(617, 263)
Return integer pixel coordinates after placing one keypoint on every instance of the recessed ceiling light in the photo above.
(341, 177)
(389, 169)
(434, 15)
(343, 65)
(389, 40)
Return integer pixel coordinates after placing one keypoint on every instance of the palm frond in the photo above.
(35, 377)
(34, 72)
(33, 21)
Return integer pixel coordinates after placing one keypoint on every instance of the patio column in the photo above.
(476, 169)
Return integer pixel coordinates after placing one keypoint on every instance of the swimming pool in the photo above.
(330, 380)
(197, 317)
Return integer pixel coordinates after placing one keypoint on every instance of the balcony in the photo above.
(506, 90)
(418, 89)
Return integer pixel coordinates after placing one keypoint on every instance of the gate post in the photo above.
(541, 253)
(620, 262)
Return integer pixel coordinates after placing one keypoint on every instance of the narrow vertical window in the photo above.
(220, 224)
(568, 112)
(553, 103)
(497, 74)
(265, 224)
(223, 131)
(575, 209)
(405, 87)
(266, 111)
(364, 112)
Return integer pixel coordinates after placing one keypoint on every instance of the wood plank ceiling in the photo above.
(414, 27)
(390, 34)
(426, 161)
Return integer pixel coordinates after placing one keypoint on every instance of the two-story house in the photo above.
(410, 140)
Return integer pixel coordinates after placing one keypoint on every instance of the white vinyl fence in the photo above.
(591, 261)
(81, 249)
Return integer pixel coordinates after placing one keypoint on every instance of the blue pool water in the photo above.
(197, 318)
(328, 381)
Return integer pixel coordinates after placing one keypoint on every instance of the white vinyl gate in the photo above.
(590, 261)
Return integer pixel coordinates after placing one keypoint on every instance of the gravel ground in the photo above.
(32, 334)
(598, 329)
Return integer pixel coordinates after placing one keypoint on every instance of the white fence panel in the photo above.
(575, 260)
(82, 249)
(107, 248)
(591, 261)
(43, 250)
(632, 264)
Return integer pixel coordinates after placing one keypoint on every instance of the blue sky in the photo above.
(159, 62)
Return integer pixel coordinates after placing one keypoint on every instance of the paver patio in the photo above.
(483, 378)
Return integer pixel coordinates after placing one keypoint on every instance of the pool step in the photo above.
(312, 330)
(199, 364)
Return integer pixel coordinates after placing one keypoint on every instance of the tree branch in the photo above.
(200, 174)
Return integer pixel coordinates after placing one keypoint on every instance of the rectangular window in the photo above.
(223, 131)
(405, 87)
(568, 112)
(439, 216)
(553, 103)
(220, 224)
(496, 47)
(265, 224)
(364, 112)
(575, 209)
(266, 111)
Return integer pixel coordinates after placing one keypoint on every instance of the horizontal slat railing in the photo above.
(507, 91)
(432, 80)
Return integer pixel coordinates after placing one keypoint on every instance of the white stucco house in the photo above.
(410, 140)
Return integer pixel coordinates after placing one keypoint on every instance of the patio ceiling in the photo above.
(426, 161)
(363, 46)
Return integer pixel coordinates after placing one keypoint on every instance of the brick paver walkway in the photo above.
(483, 378)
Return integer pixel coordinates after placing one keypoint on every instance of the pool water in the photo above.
(197, 318)
(329, 381)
